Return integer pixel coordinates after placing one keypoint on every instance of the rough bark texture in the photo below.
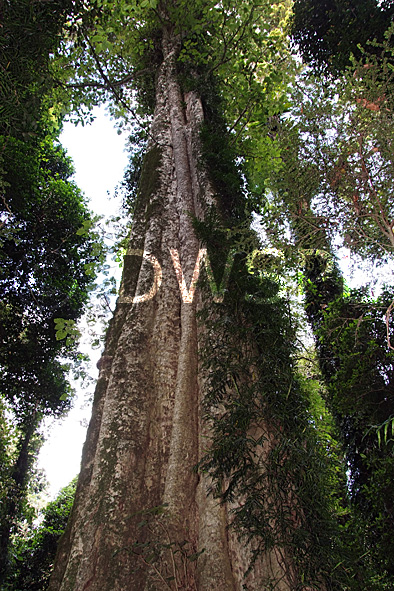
(146, 433)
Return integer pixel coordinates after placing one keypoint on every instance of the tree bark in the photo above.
(146, 433)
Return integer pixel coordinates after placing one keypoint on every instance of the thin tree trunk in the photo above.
(146, 433)
(15, 495)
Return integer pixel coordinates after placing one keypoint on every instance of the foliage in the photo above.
(46, 261)
(255, 402)
(34, 551)
(335, 171)
(332, 165)
(356, 364)
(47, 264)
(261, 406)
(46, 268)
(112, 50)
(335, 153)
(30, 33)
(8, 440)
(360, 393)
(335, 186)
(327, 32)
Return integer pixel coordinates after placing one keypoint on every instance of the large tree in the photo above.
(201, 467)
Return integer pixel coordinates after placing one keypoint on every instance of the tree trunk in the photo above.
(146, 433)
(16, 492)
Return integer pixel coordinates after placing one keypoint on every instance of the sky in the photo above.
(99, 158)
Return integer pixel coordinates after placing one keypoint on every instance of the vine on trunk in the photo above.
(264, 448)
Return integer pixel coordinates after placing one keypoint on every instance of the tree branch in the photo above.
(109, 85)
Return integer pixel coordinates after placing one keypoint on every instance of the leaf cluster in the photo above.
(328, 32)
(29, 34)
(357, 365)
(336, 170)
(45, 271)
(34, 550)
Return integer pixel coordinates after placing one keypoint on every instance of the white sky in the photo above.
(99, 159)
